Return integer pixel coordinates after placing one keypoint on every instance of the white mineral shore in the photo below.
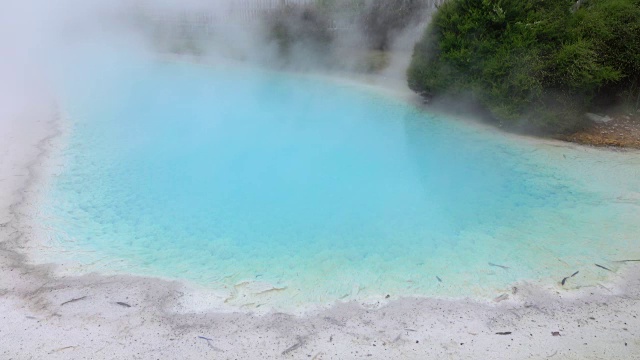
(44, 316)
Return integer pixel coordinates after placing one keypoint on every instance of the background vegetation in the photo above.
(533, 64)
(363, 26)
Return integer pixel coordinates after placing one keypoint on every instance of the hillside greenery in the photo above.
(533, 64)
(315, 25)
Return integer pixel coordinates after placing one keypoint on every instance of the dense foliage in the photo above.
(317, 25)
(293, 23)
(381, 19)
(534, 64)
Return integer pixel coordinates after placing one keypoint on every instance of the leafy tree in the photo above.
(534, 64)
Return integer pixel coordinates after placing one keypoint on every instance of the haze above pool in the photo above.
(249, 181)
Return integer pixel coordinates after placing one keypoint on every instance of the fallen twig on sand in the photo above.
(627, 260)
(123, 304)
(504, 333)
(73, 300)
(295, 346)
(606, 268)
(500, 266)
(565, 279)
(209, 343)
(62, 349)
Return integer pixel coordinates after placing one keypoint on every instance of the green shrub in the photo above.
(535, 64)
(381, 19)
(321, 26)
(299, 23)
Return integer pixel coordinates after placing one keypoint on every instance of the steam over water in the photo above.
(280, 189)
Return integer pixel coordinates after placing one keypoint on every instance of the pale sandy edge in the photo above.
(37, 320)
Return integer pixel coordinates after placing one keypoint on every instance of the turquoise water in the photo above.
(245, 181)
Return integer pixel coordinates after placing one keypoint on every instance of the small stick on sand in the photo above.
(123, 304)
(294, 346)
(606, 268)
(62, 349)
(627, 260)
(504, 333)
(209, 343)
(500, 266)
(565, 279)
(73, 300)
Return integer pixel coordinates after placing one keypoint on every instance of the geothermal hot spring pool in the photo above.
(283, 190)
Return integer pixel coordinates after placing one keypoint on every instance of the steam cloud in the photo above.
(33, 32)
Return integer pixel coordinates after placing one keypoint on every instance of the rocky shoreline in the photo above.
(621, 130)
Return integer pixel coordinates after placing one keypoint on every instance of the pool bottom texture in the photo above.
(281, 190)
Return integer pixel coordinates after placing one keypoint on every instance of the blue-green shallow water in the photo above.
(240, 179)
